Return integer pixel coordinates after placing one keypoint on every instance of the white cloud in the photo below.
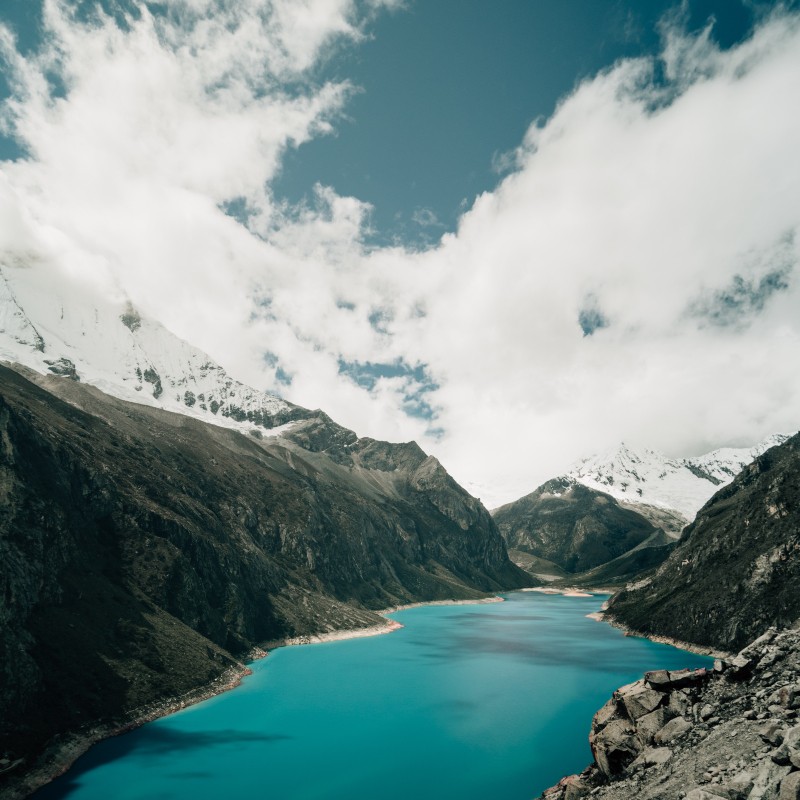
(639, 201)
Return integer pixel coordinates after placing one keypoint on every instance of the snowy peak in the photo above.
(53, 326)
(649, 477)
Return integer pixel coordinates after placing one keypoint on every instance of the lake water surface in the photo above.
(469, 702)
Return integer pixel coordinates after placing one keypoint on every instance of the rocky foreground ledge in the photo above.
(727, 733)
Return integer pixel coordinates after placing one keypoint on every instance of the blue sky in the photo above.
(517, 232)
(443, 90)
(448, 87)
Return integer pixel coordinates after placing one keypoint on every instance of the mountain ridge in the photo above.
(148, 552)
(54, 327)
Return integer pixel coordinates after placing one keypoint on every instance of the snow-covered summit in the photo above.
(649, 477)
(58, 327)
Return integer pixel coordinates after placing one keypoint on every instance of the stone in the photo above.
(673, 730)
(657, 678)
(792, 744)
(741, 666)
(740, 785)
(614, 747)
(703, 794)
(706, 711)
(664, 680)
(787, 697)
(651, 757)
(771, 733)
(780, 755)
(678, 703)
(575, 788)
(605, 715)
(648, 725)
(767, 781)
(638, 699)
(655, 756)
(790, 787)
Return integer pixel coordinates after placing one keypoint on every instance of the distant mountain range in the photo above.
(615, 516)
(649, 478)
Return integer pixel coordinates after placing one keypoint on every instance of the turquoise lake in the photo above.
(469, 702)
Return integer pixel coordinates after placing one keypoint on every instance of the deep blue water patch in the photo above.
(464, 701)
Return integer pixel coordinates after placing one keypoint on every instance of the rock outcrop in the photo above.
(145, 553)
(727, 733)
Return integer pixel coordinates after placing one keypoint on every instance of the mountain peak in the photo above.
(648, 476)
(49, 326)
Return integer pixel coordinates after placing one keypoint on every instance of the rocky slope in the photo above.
(728, 733)
(145, 553)
(736, 570)
(579, 529)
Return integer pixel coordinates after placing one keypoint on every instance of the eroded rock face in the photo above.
(720, 734)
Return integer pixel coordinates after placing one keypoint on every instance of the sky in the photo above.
(518, 232)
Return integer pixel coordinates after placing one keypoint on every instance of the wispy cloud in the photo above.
(620, 282)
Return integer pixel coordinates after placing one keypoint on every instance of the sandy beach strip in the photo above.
(567, 591)
(359, 633)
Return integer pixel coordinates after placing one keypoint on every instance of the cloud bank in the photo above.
(635, 276)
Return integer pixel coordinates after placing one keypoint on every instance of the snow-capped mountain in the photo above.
(649, 477)
(56, 326)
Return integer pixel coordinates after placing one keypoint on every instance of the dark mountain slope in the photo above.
(571, 525)
(144, 552)
(736, 571)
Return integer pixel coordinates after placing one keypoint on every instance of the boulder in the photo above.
(652, 757)
(706, 712)
(790, 787)
(741, 666)
(767, 781)
(679, 703)
(638, 699)
(648, 725)
(575, 788)
(666, 680)
(605, 715)
(770, 732)
(792, 744)
(673, 730)
(740, 786)
(614, 747)
(788, 697)
(703, 794)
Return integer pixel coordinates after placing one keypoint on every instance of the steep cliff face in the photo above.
(737, 568)
(144, 552)
(571, 525)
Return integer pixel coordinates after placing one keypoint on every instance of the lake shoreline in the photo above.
(698, 649)
(390, 626)
(60, 757)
